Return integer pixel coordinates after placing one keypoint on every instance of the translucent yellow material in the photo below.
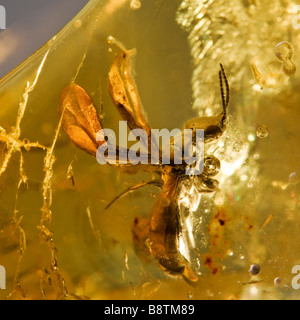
(57, 240)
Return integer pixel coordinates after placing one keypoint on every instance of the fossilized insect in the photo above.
(81, 122)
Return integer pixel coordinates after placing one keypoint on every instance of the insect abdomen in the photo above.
(164, 228)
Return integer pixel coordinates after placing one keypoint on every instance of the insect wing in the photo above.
(125, 95)
(79, 118)
(192, 219)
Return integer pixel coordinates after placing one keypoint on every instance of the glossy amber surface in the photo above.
(57, 240)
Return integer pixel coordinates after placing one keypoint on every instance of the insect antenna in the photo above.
(222, 90)
(225, 97)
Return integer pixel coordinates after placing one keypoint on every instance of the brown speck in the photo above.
(207, 261)
(222, 222)
(214, 271)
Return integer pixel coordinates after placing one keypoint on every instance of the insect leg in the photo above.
(142, 184)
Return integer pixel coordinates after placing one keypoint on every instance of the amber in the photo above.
(57, 238)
